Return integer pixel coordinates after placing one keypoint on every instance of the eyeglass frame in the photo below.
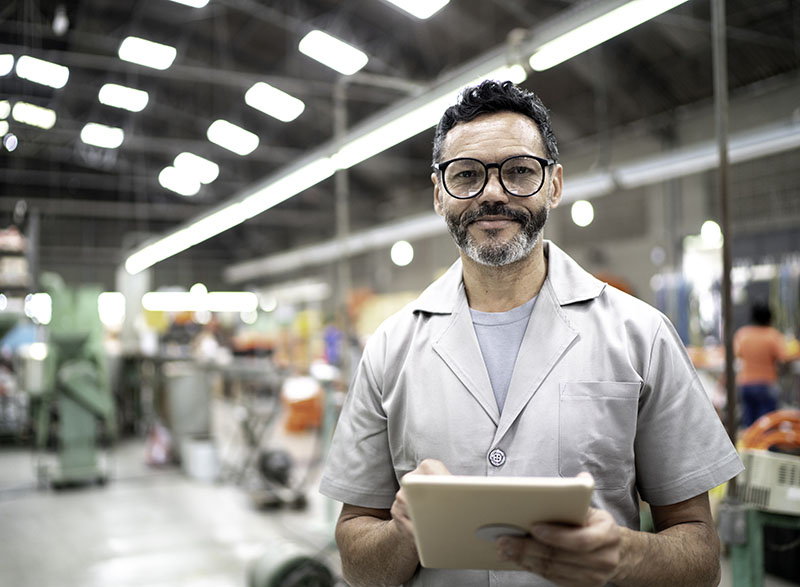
(544, 162)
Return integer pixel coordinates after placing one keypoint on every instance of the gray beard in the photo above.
(498, 253)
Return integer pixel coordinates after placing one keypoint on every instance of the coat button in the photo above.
(497, 458)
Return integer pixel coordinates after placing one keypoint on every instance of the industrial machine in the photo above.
(769, 449)
(76, 405)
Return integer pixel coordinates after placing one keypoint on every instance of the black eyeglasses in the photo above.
(521, 175)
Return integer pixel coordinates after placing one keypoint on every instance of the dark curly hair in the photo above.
(761, 314)
(490, 97)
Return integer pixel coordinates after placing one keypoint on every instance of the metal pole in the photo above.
(342, 189)
(720, 68)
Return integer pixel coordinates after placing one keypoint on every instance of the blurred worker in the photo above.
(761, 349)
(518, 362)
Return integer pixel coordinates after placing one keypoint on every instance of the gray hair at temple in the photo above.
(490, 97)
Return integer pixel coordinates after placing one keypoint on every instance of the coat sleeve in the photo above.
(682, 448)
(358, 469)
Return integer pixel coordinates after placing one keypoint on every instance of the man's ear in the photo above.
(437, 194)
(557, 181)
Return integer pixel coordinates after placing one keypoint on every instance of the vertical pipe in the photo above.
(342, 190)
(720, 68)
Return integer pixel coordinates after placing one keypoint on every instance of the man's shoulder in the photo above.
(573, 285)
(438, 299)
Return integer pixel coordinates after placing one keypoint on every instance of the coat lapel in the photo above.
(547, 338)
(458, 348)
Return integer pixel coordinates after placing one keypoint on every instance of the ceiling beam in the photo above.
(168, 212)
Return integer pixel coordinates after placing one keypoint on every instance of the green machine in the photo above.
(75, 399)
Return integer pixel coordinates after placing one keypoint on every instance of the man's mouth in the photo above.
(493, 221)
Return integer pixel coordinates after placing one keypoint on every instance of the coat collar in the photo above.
(570, 283)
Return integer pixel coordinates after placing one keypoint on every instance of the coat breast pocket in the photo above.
(596, 430)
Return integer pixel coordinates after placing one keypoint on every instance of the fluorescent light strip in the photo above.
(5, 109)
(416, 227)
(147, 53)
(42, 72)
(226, 218)
(274, 102)
(123, 97)
(187, 237)
(333, 52)
(6, 64)
(598, 31)
(202, 169)
(743, 147)
(33, 115)
(422, 9)
(215, 301)
(705, 156)
(234, 138)
(287, 186)
(100, 135)
(3, 127)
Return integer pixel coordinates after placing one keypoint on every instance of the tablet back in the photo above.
(458, 518)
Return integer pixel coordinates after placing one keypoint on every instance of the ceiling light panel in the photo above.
(147, 53)
(100, 135)
(234, 138)
(5, 109)
(3, 127)
(332, 52)
(420, 8)
(42, 72)
(274, 102)
(33, 115)
(6, 64)
(200, 168)
(123, 97)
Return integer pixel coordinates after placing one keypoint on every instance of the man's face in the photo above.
(497, 228)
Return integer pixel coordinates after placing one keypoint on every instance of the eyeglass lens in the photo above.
(521, 176)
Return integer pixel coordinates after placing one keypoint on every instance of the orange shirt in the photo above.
(760, 348)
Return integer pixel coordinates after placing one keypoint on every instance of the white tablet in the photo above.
(458, 518)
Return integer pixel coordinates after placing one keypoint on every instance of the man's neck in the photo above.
(499, 289)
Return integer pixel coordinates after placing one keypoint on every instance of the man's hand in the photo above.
(399, 509)
(580, 556)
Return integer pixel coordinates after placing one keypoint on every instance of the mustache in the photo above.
(497, 209)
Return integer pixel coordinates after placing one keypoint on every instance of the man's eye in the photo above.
(466, 174)
(520, 170)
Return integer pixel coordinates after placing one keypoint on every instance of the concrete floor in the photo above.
(152, 527)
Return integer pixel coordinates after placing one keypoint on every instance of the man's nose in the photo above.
(493, 191)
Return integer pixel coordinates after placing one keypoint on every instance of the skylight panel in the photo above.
(100, 135)
(192, 3)
(123, 97)
(332, 52)
(33, 115)
(147, 53)
(232, 137)
(202, 169)
(274, 102)
(420, 8)
(178, 181)
(42, 72)
(6, 64)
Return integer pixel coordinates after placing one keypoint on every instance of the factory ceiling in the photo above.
(94, 205)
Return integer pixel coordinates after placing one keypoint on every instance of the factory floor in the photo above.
(156, 527)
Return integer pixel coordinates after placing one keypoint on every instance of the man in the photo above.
(518, 362)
